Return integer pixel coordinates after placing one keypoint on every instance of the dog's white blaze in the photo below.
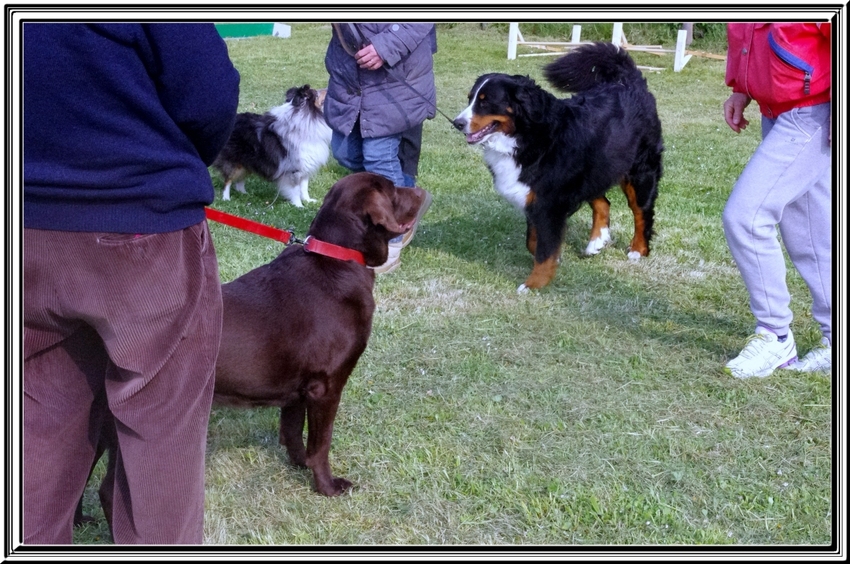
(499, 156)
(466, 114)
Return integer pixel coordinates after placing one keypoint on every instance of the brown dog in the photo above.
(295, 328)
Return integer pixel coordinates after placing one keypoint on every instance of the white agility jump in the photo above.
(617, 37)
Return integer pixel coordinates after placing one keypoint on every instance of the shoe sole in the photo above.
(804, 368)
(762, 374)
(387, 268)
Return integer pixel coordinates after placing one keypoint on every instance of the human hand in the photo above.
(368, 58)
(733, 111)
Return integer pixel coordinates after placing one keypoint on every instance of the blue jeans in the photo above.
(372, 154)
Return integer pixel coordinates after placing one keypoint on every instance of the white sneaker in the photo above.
(762, 355)
(393, 259)
(395, 247)
(819, 359)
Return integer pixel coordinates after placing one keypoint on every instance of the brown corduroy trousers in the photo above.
(129, 323)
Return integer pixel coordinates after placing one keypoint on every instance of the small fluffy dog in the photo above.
(286, 145)
(548, 155)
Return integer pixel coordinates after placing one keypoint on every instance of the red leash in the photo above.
(311, 244)
(248, 225)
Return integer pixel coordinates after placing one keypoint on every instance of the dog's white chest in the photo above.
(498, 154)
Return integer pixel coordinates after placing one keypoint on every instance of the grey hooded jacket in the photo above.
(384, 104)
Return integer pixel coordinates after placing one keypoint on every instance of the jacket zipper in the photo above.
(793, 60)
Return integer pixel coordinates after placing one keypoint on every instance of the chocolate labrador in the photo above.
(295, 328)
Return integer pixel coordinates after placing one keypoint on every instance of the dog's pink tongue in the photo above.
(480, 134)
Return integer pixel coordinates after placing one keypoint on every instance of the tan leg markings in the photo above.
(542, 273)
(639, 243)
(601, 216)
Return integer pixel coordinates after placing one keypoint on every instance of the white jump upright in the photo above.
(617, 38)
(681, 58)
(514, 37)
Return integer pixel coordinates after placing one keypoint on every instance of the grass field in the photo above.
(593, 412)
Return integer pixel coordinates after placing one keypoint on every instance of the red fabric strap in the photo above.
(313, 245)
(248, 225)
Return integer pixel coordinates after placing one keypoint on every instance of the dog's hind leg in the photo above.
(600, 231)
(292, 419)
(641, 203)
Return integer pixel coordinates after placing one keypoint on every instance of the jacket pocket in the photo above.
(793, 72)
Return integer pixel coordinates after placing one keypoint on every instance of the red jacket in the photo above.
(780, 65)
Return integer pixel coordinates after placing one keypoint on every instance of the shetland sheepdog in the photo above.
(286, 145)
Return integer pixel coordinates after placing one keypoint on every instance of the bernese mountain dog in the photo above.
(549, 155)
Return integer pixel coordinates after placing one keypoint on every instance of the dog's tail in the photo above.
(590, 65)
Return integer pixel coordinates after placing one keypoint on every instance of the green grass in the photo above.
(593, 412)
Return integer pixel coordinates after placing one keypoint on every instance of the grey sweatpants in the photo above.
(787, 182)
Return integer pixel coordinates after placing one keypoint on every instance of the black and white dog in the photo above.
(286, 145)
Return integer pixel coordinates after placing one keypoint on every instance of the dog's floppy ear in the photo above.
(379, 208)
(531, 103)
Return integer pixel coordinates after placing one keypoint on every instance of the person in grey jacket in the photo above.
(381, 86)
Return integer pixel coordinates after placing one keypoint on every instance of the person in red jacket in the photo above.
(786, 69)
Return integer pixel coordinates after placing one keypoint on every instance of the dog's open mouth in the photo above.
(477, 136)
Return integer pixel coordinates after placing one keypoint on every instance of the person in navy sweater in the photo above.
(122, 299)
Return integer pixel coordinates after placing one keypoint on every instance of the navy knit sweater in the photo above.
(121, 122)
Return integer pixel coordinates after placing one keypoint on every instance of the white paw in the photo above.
(523, 289)
(297, 203)
(596, 245)
(240, 187)
(226, 196)
(634, 256)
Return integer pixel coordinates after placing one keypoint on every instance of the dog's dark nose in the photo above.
(458, 124)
